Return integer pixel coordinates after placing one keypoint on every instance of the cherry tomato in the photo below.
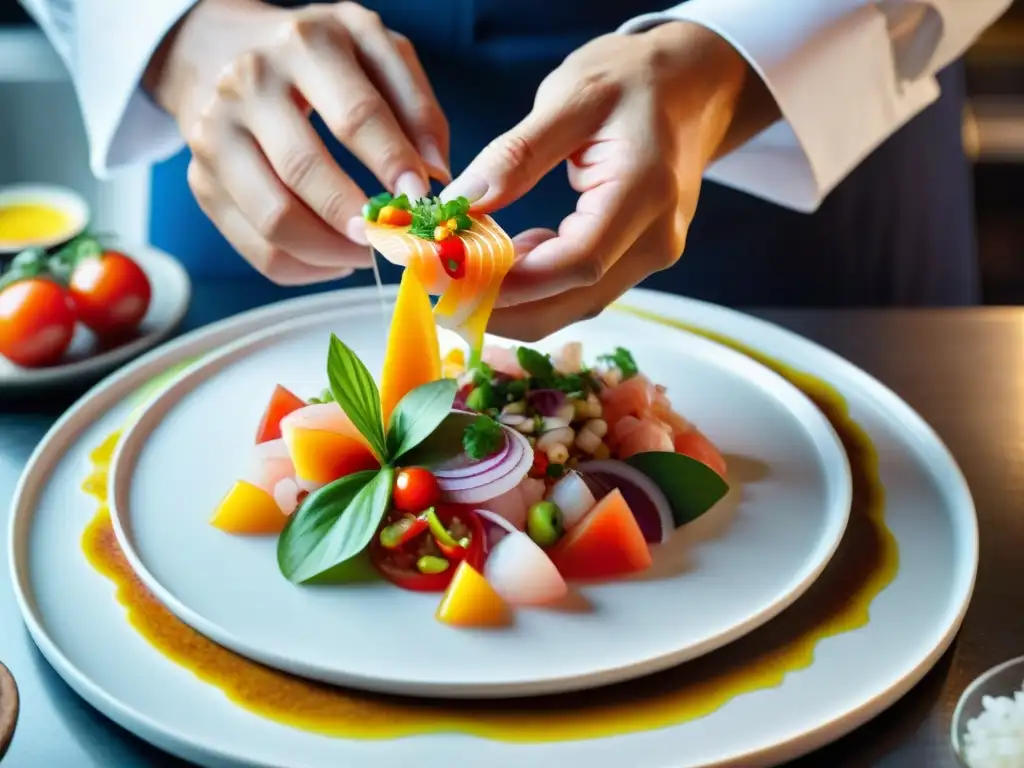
(399, 566)
(111, 293)
(37, 322)
(415, 490)
(452, 253)
(394, 217)
(539, 469)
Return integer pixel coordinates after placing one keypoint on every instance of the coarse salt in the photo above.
(995, 738)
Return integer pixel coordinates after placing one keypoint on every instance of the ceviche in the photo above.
(492, 481)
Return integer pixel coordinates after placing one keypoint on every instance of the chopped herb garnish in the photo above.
(622, 359)
(430, 213)
(480, 397)
(482, 374)
(555, 470)
(482, 437)
(536, 364)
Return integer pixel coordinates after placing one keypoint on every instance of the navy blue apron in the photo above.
(898, 231)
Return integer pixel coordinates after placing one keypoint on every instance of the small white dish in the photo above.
(68, 202)
(714, 581)
(1002, 681)
(87, 359)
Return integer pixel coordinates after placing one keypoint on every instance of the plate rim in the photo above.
(97, 364)
(178, 743)
(835, 470)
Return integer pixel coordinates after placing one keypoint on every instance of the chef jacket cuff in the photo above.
(830, 68)
(125, 127)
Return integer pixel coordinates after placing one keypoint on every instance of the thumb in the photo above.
(512, 164)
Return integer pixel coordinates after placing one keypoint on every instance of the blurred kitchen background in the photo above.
(39, 120)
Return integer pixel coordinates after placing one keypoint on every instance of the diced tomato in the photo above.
(452, 254)
(606, 543)
(694, 444)
(282, 402)
(470, 601)
(540, 465)
(394, 217)
(399, 566)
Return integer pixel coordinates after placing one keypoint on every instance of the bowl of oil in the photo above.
(39, 216)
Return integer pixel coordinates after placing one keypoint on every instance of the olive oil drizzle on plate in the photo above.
(866, 563)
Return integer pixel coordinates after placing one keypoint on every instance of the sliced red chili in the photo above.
(452, 253)
(399, 565)
(402, 531)
(540, 465)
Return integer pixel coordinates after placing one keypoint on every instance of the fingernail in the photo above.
(355, 230)
(432, 157)
(468, 186)
(412, 185)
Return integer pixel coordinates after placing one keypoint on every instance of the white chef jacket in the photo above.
(846, 74)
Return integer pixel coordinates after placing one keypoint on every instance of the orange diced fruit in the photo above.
(606, 543)
(320, 456)
(394, 217)
(282, 402)
(248, 511)
(413, 357)
(470, 601)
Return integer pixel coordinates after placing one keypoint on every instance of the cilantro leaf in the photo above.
(622, 359)
(536, 364)
(482, 437)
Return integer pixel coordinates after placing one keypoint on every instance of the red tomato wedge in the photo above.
(282, 402)
(606, 543)
(694, 444)
(466, 301)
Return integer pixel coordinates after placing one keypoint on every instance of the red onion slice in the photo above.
(463, 466)
(644, 497)
(478, 488)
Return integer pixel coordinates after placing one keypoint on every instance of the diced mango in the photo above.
(320, 456)
(454, 364)
(413, 357)
(248, 510)
(470, 601)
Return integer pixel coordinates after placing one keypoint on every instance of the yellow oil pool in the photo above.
(32, 222)
(839, 602)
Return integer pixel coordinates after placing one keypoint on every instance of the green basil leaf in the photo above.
(418, 414)
(444, 445)
(536, 364)
(333, 524)
(691, 487)
(356, 392)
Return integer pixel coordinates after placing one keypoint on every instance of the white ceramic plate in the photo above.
(787, 511)
(87, 359)
(854, 675)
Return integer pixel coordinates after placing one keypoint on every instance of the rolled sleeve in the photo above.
(114, 43)
(834, 70)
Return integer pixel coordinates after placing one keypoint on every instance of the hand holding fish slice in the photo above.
(458, 256)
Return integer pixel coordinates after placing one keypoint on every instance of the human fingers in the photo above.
(437, 146)
(246, 178)
(565, 115)
(273, 262)
(322, 61)
(261, 100)
(535, 320)
(590, 241)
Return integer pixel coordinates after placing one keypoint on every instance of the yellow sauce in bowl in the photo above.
(32, 222)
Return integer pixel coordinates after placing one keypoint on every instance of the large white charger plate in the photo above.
(87, 359)
(82, 631)
(786, 512)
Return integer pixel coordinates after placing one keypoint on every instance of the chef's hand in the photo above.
(241, 78)
(637, 117)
